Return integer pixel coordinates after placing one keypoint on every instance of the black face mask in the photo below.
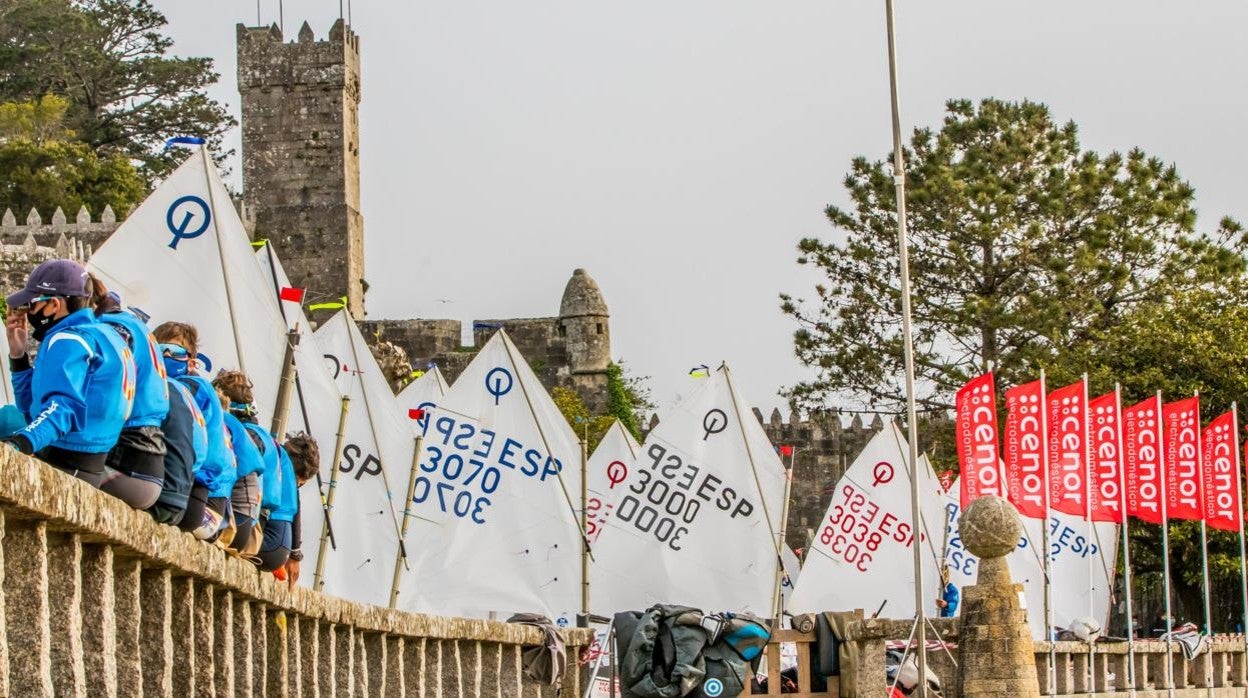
(39, 325)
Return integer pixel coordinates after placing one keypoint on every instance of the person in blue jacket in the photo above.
(235, 388)
(297, 462)
(179, 343)
(186, 444)
(140, 450)
(78, 394)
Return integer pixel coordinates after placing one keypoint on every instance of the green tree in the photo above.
(1022, 243)
(42, 167)
(110, 59)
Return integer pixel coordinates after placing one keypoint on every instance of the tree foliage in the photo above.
(42, 167)
(109, 59)
(1022, 243)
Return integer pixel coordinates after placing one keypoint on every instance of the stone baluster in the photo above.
(223, 646)
(156, 640)
(99, 620)
(244, 668)
(327, 666)
(128, 619)
(65, 614)
(182, 627)
(395, 675)
(414, 665)
(205, 638)
(344, 661)
(375, 660)
(277, 642)
(27, 627)
(360, 662)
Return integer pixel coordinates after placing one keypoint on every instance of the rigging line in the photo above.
(372, 426)
(749, 452)
(567, 497)
(912, 473)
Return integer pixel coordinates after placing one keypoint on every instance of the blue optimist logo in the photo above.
(498, 382)
(188, 217)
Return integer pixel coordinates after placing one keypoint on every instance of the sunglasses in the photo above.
(175, 352)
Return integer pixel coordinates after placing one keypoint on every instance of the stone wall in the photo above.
(23, 246)
(97, 599)
(301, 155)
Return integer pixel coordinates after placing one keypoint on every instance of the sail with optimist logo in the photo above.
(697, 521)
(496, 499)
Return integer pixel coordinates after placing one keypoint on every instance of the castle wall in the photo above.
(22, 247)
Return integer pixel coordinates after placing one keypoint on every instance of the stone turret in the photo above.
(301, 155)
(583, 323)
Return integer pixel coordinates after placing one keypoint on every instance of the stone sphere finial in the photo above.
(990, 527)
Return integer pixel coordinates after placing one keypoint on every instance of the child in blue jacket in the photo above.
(140, 450)
(296, 462)
(236, 389)
(179, 344)
(79, 393)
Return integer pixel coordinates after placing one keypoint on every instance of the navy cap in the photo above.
(55, 277)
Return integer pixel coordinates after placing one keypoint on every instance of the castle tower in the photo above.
(583, 323)
(301, 155)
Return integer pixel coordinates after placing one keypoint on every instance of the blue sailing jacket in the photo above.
(80, 391)
(151, 392)
(246, 455)
(218, 471)
(279, 493)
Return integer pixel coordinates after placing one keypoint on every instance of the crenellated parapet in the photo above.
(24, 245)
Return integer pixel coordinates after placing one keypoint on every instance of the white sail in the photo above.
(496, 528)
(183, 255)
(315, 408)
(372, 472)
(697, 522)
(606, 472)
(423, 393)
(1080, 589)
(861, 555)
(6, 379)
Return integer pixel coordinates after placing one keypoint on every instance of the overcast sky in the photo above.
(679, 150)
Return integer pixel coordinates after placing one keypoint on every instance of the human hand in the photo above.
(292, 572)
(17, 331)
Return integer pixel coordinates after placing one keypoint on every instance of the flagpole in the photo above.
(777, 605)
(225, 274)
(1239, 499)
(1204, 542)
(407, 517)
(1087, 516)
(1165, 547)
(912, 427)
(1126, 545)
(327, 501)
(585, 525)
(1051, 669)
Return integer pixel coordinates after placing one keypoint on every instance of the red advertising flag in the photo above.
(976, 406)
(1181, 457)
(1105, 500)
(1222, 506)
(1025, 474)
(1068, 449)
(294, 295)
(1141, 455)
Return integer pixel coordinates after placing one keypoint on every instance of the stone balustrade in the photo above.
(1222, 668)
(98, 600)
